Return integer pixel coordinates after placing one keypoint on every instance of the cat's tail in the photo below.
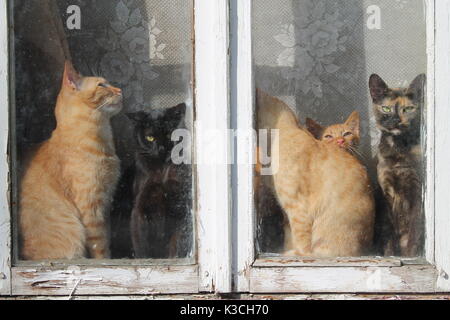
(273, 113)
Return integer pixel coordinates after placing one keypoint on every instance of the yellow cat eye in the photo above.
(150, 138)
(387, 109)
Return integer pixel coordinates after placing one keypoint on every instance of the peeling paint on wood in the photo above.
(408, 279)
(249, 297)
(5, 228)
(212, 112)
(242, 73)
(338, 262)
(351, 297)
(105, 281)
(442, 140)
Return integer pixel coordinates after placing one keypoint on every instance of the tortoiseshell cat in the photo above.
(398, 113)
(345, 135)
(161, 225)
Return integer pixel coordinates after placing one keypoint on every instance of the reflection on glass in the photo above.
(350, 176)
(99, 90)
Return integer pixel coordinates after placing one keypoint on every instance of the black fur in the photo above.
(161, 220)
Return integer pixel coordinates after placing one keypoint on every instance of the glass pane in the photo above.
(349, 175)
(98, 178)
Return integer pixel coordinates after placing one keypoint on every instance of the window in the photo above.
(134, 46)
(316, 57)
(290, 51)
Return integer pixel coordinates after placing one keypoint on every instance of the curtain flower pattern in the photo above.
(311, 45)
(131, 44)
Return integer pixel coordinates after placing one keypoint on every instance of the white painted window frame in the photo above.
(212, 269)
(219, 258)
(369, 275)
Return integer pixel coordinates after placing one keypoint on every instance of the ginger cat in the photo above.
(323, 189)
(345, 135)
(68, 184)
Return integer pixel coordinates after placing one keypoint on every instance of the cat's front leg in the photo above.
(299, 240)
(97, 241)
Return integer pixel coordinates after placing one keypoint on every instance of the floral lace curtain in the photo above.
(318, 55)
(139, 46)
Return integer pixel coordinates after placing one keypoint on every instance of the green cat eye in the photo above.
(387, 109)
(409, 109)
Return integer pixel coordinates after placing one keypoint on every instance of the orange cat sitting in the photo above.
(324, 190)
(68, 185)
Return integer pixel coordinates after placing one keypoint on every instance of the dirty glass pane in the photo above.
(84, 188)
(317, 57)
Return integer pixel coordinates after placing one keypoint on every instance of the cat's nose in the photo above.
(340, 142)
(118, 91)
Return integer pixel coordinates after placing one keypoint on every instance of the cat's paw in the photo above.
(292, 253)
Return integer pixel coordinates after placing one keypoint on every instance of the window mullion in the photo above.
(243, 107)
(213, 145)
(442, 140)
(5, 218)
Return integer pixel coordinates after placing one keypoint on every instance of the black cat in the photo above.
(161, 221)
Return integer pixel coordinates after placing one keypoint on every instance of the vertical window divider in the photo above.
(5, 219)
(429, 205)
(442, 140)
(213, 145)
(243, 106)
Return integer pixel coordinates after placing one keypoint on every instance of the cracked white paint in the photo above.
(110, 280)
(442, 140)
(413, 279)
(5, 231)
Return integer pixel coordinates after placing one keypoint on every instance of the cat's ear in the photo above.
(71, 78)
(177, 113)
(137, 117)
(314, 128)
(416, 90)
(378, 88)
(353, 122)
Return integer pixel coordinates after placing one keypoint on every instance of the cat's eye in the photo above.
(409, 109)
(387, 109)
(347, 134)
(328, 136)
(102, 84)
(150, 138)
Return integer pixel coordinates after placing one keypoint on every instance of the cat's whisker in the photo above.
(356, 152)
(103, 105)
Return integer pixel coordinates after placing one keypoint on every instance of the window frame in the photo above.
(212, 270)
(226, 233)
(362, 275)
